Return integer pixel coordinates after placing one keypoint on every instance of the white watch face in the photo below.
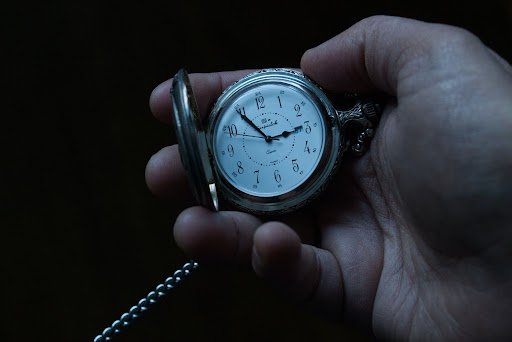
(269, 139)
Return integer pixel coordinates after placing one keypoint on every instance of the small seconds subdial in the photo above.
(268, 140)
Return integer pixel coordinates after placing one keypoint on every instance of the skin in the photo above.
(414, 239)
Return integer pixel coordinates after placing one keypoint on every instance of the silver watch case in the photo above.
(195, 144)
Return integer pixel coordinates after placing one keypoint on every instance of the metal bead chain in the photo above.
(362, 141)
(144, 304)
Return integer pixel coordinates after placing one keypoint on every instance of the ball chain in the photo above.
(144, 304)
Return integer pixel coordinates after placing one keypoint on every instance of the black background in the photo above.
(85, 239)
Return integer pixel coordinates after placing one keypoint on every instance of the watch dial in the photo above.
(268, 139)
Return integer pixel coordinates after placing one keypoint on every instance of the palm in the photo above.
(410, 208)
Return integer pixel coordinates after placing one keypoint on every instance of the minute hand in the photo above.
(253, 125)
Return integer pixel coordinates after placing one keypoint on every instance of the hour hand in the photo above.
(287, 133)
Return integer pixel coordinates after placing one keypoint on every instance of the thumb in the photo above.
(305, 274)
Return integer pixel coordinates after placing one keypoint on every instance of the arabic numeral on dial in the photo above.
(257, 173)
(308, 127)
(308, 149)
(240, 168)
(231, 150)
(296, 108)
(277, 176)
(240, 110)
(295, 165)
(259, 102)
(231, 130)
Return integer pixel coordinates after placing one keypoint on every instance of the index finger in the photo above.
(207, 87)
(382, 53)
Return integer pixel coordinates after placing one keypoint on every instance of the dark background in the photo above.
(85, 238)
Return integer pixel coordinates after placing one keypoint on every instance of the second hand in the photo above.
(253, 136)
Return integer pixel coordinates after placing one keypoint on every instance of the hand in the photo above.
(256, 136)
(253, 125)
(414, 239)
(287, 133)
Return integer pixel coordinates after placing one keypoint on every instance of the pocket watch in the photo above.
(272, 141)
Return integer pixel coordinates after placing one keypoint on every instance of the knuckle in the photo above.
(377, 20)
(455, 37)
